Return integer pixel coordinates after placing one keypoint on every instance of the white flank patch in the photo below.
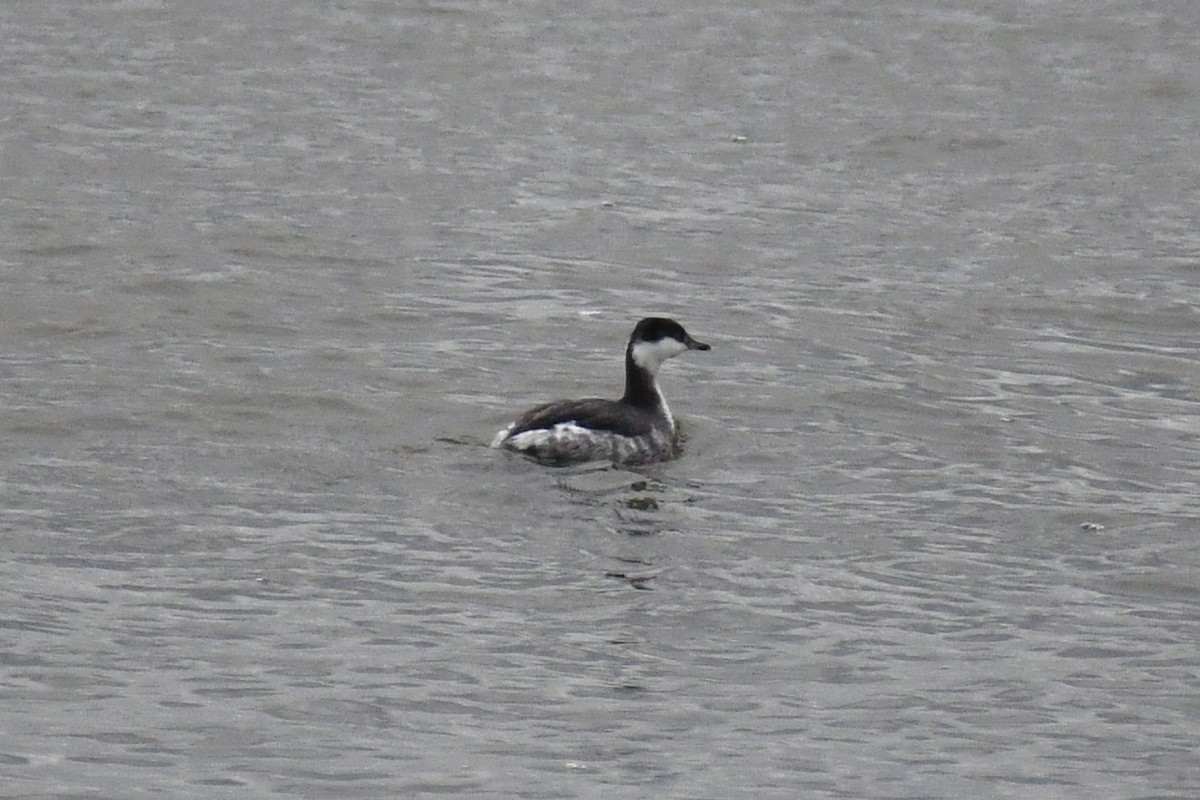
(502, 435)
(650, 355)
(568, 441)
(542, 437)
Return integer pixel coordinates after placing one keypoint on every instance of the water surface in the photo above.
(272, 277)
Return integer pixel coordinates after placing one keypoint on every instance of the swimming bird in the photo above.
(636, 429)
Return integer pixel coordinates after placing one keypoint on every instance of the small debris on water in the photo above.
(1092, 526)
(642, 504)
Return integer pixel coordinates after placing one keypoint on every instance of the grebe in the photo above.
(635, 429)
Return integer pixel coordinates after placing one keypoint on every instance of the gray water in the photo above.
(271, 275)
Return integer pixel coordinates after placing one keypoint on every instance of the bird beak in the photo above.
(692, 344)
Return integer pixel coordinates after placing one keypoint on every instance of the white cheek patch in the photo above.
(651, 355)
